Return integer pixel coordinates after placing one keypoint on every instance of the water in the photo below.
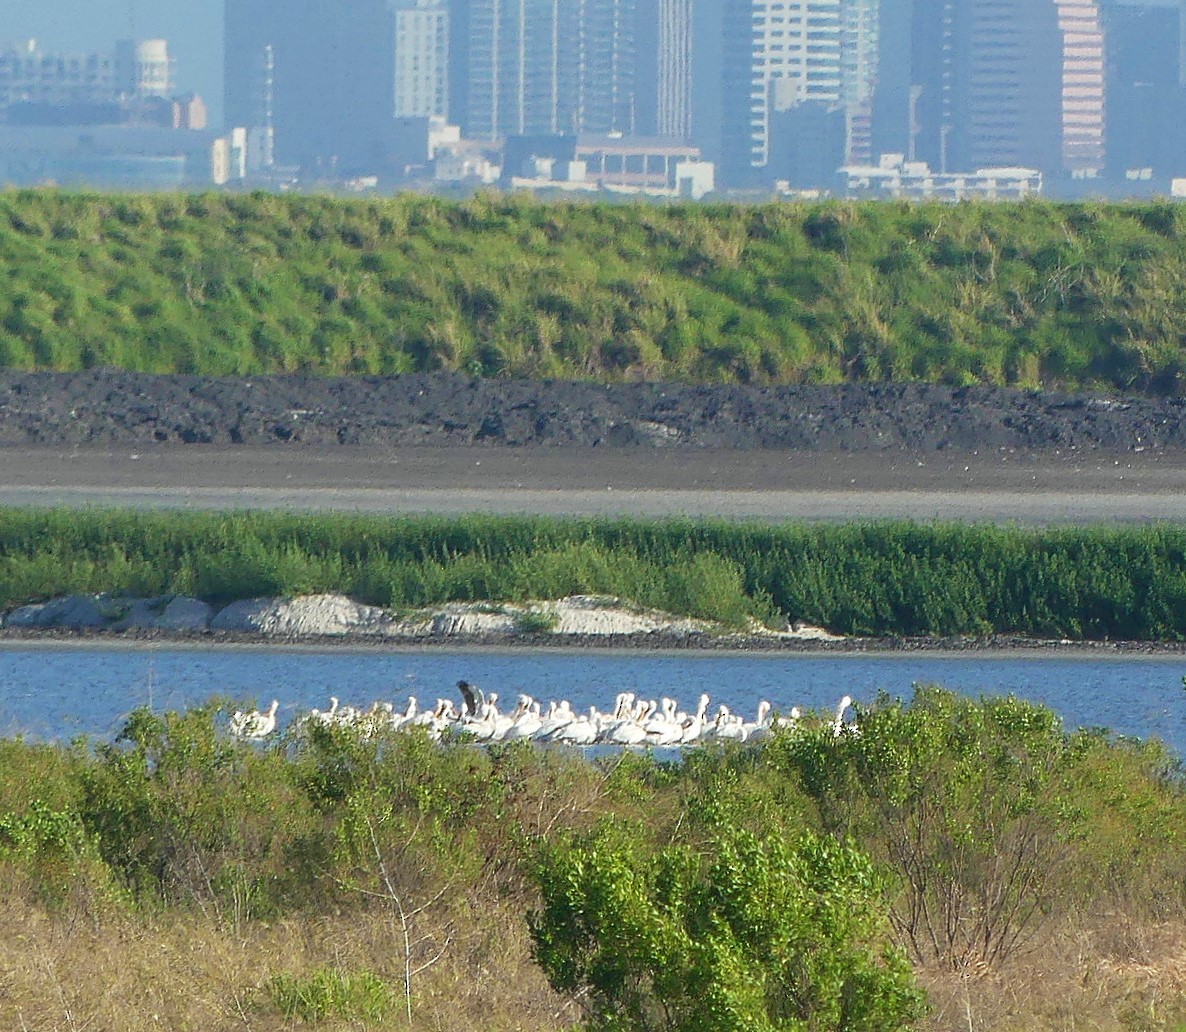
(60, 692)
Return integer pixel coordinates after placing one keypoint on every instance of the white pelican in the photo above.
(838, 726)
(326, 717)
(526, 724)
(625, 726)
(398, 720)
(255, 725)
(729, 726)
(663, 729)
(693, 727)
(581, 730)
(760, 728)
(558, 716)
(790, 721)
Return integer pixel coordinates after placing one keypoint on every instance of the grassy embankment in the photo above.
(177, 879)
(868, 579)
(1036, 294)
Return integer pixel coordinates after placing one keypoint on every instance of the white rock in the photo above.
(245, 615)
(333, 615)
(584, 614)
(807, 632)
(458, 620)
(338, 616)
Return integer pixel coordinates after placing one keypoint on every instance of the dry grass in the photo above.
(66, 972)
(1113, 973)
(72, 971)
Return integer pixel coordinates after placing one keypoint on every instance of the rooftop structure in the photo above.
(894, 177)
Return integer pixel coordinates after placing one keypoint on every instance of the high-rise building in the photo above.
(510, 66)
(1083, 84)
(858, 72)
(421, 58)
(607, 33)
(1146, 101)
(916, 68)
(663, 69)
(548, 67)
(993, 83)
(707, 73)
(775, 54)
(331, 78)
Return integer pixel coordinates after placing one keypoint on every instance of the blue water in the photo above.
(61, 692)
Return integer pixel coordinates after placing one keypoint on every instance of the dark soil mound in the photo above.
(113, 407)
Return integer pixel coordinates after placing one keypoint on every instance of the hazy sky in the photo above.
(192, 27)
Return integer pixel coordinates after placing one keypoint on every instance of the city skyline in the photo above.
(194, 31)
(1074, 88)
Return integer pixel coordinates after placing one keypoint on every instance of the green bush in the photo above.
(750, 934)
(993, 819)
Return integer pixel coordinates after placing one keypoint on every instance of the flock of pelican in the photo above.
(632, 722)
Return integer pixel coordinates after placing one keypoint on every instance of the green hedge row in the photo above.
(871, 579)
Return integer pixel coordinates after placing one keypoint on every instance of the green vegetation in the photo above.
(362, 996)
(1033, 294)
(805, 883)
(865, 579)
(742, 933)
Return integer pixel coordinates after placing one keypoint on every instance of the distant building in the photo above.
(139, 158)
(808, 144)
(1146, 100)
(189, 112)
(663, 69)
(532, 67)
(103, 119)
(516, 68)
(859, 29)
(137, 70)
(29, 76)
(775, 55)
(416, 142)
(655, 167)
(894, 177)
(143, 68)
(992, 83)
(317, 76)
(421, 58)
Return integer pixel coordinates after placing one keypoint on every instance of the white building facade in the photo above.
(421, 58)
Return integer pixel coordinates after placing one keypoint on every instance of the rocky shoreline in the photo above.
(576, 623)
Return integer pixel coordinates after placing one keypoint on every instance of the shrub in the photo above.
(749, 934)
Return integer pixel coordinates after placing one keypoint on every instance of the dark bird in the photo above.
(474, 699)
